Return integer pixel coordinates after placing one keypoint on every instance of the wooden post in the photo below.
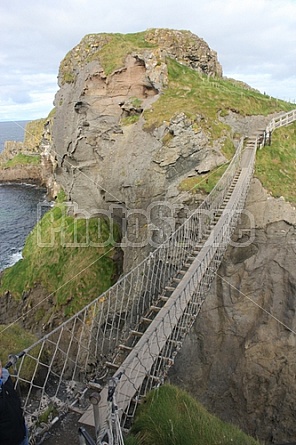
(95, 399)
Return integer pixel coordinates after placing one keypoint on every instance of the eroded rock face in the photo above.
(29, 174)
(106, 166)
(239, 359)
(187, 49)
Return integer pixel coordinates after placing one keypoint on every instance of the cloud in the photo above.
(254, 39)
(26, 96)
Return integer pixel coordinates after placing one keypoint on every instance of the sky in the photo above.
(255, 41)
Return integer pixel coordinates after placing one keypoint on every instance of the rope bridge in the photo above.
(135, 329)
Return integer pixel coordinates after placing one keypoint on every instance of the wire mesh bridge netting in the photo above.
(137, 326)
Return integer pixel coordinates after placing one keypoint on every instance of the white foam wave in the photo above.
(15, 257)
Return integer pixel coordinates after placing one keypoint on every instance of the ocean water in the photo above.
(19, 205)
(12, 131)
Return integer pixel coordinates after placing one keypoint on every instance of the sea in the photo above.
(19, 204)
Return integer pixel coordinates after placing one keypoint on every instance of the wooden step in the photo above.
(154, 308)
(125, 348)
(112, 365)
(170, 288)
(136, 333)
(156, 379)
(195, 303)
(146, 320)
(163, 298)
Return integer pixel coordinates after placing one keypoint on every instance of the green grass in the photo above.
(276, 164)
(129, 120)
(71, 258)
(202, 98)
(22, 160)
(203, 183)
(14, 340)
(275, 167)
(113, 54)
(33, 134)
(170, 416)
(110, 49)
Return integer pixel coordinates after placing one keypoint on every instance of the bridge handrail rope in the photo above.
(57, 368)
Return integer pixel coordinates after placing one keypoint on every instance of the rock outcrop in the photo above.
(239, 359)
(106, 165)
(30, 174)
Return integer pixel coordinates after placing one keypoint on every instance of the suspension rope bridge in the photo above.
(135, 329)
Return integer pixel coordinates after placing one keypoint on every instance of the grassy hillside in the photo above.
(276, 165)
(21, 159)
(170, 416)
(71, 258)
(110, 48)
(202, 98)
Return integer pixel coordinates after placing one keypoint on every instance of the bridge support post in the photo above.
(94, 400)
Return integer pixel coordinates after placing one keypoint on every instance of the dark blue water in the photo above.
(19, 205)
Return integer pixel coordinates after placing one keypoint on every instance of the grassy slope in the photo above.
(275, 168)
(22, 160)
(197, 95)
(33, 134)
(71, 258)
(14, 339)
(110, 49)
(171, 417)
(276, 165)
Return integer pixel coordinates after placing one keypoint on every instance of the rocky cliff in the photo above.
(106, 160)
(239, 359)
